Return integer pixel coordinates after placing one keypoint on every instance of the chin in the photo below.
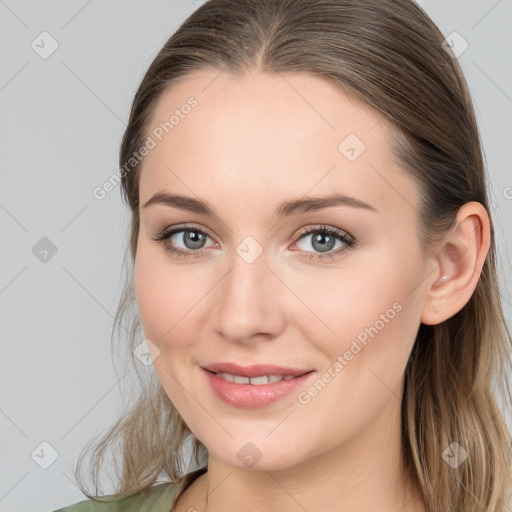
(260, 455)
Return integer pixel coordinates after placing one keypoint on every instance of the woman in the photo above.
(314, 267)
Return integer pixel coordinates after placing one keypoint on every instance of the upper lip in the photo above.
(255, 370)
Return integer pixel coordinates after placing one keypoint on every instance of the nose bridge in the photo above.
(248, 301)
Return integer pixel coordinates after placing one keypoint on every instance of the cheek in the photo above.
(375, 323)
(170, 297)
(161, 295)
(164, 298)
(376, 318)
(369, 317)
(342, 304)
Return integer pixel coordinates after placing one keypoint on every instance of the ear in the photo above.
(459, 259)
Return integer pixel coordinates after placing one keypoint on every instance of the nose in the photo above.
(248, 301)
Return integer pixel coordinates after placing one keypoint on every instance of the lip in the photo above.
(249, 396)
(255, 370)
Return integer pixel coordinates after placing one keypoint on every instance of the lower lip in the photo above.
(250, 396)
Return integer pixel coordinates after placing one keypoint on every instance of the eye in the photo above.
(194, 239)
(324, 240)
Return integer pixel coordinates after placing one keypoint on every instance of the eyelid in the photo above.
(164, 235)
(324, 227)
(298, 234)
(185, 227)
(346, 238)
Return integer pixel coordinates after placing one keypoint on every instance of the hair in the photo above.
(389, 55)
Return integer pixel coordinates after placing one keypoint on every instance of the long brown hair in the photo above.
(389, 55)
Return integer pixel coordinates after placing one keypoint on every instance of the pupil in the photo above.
(324, 246)
(195, 239)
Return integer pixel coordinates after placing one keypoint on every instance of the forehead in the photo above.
(263, 136)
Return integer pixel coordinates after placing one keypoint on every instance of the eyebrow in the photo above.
(286, 209)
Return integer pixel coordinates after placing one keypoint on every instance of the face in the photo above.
(253, 287)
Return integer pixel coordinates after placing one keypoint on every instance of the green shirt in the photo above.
(157, 499)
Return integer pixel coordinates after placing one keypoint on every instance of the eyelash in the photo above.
(348, 240)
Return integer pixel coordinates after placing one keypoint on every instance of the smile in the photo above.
(254, 392)
(255, 381)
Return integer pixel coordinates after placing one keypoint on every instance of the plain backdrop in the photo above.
(63, 112)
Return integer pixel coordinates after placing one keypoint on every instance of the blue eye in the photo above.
(192, 236)
(324, 239)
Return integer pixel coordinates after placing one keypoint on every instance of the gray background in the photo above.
(62, 121)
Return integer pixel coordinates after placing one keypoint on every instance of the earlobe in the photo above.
(459, 261)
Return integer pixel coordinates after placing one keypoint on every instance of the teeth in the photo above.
(241, 380)
(255, 381)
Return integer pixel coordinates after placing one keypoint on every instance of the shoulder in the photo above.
(156, 499)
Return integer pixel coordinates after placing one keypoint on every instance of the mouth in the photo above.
(256, 386)
(255, 381)
(255, 370)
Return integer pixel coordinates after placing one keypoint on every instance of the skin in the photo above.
(248, 145)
